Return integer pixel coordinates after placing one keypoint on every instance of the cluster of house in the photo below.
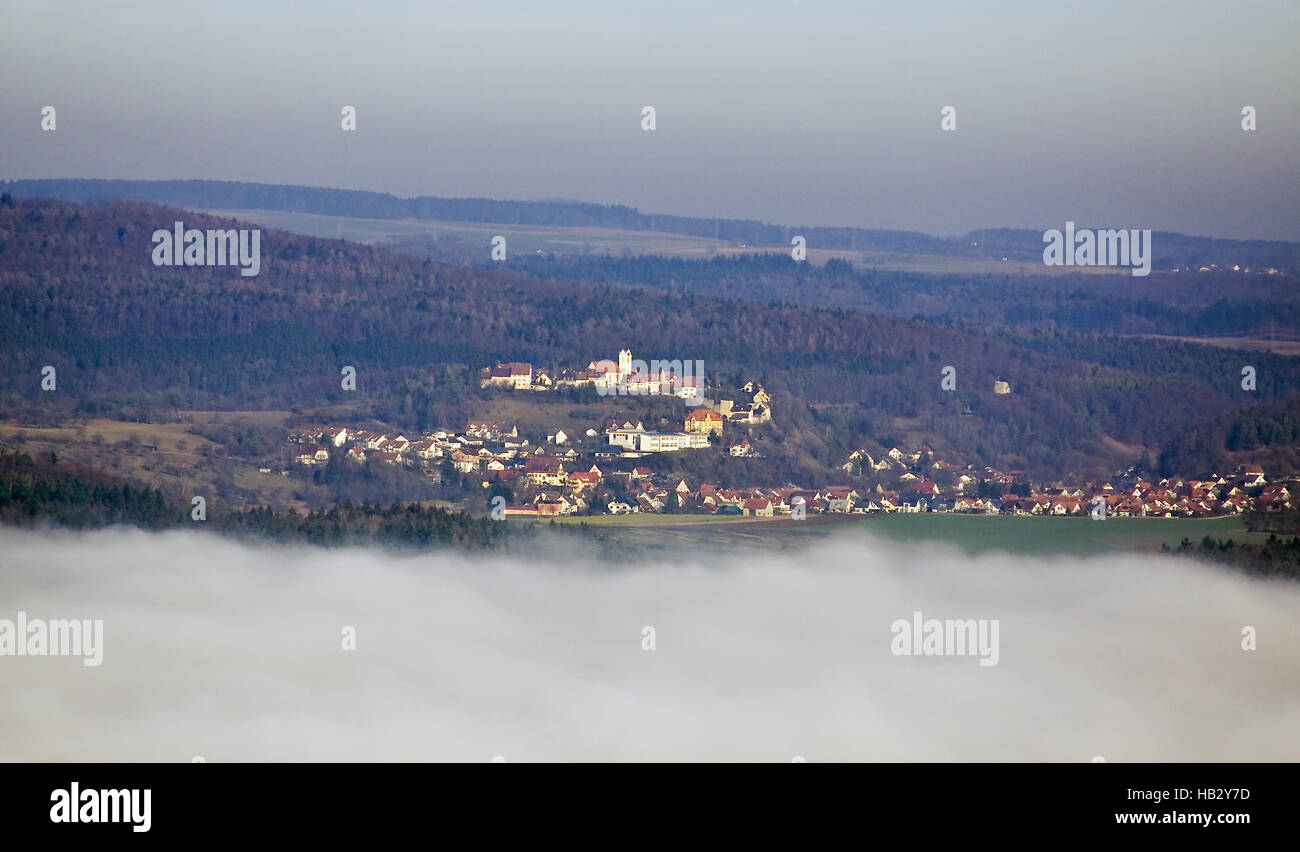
(490, 447)
(477, 447)
(1128, 496)
(1132, 497)
(1170, 497)
(626, 376)
(632, 377)
(499, 453)
(555, 478)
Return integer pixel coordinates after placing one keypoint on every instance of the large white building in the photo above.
(669, 442)
(632, 435)
(624, 433)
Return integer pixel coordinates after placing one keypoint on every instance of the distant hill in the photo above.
(1170, 249)
(78, 291)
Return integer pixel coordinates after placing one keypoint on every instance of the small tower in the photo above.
(624, 362)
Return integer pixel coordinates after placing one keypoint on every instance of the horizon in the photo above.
(824, 113)
(578, 202)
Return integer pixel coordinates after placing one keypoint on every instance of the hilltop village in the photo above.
(606, 469)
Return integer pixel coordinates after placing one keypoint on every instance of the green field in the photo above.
(970, 533)
(573, 240)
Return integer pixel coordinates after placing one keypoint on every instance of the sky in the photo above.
(212, 649)
(1115, 113)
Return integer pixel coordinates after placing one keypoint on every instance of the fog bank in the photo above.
(218, 649)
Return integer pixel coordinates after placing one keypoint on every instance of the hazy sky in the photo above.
(217, 650)
(1117, 114)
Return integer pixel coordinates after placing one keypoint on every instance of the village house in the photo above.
(756, 409)
(541, 470)
(1251, 475)
(312, 454)
(623, 432)
(704, 420)
(743, 449)
(426, 450)
(490, 430)
(579, 481)
(464, 462)
(515, 375)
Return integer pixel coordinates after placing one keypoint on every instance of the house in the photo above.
(521, 510)
(541, 470)
(837, 503)
(758, 508)
(704, 420)
(492, 430)
(550, 509)
(1252, 475)
(579, 480)
(646, 503)
(926, 488)
(744, 449)
(426, 449)
(1066, 506)
(464, 462)
(623, 432)
(312, 454)
(516, 375)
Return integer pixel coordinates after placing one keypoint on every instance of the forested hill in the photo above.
(79, 292)
(1210, 304)
(38, 491)
(1171, 249)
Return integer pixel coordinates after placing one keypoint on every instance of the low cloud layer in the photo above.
(217, 649)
